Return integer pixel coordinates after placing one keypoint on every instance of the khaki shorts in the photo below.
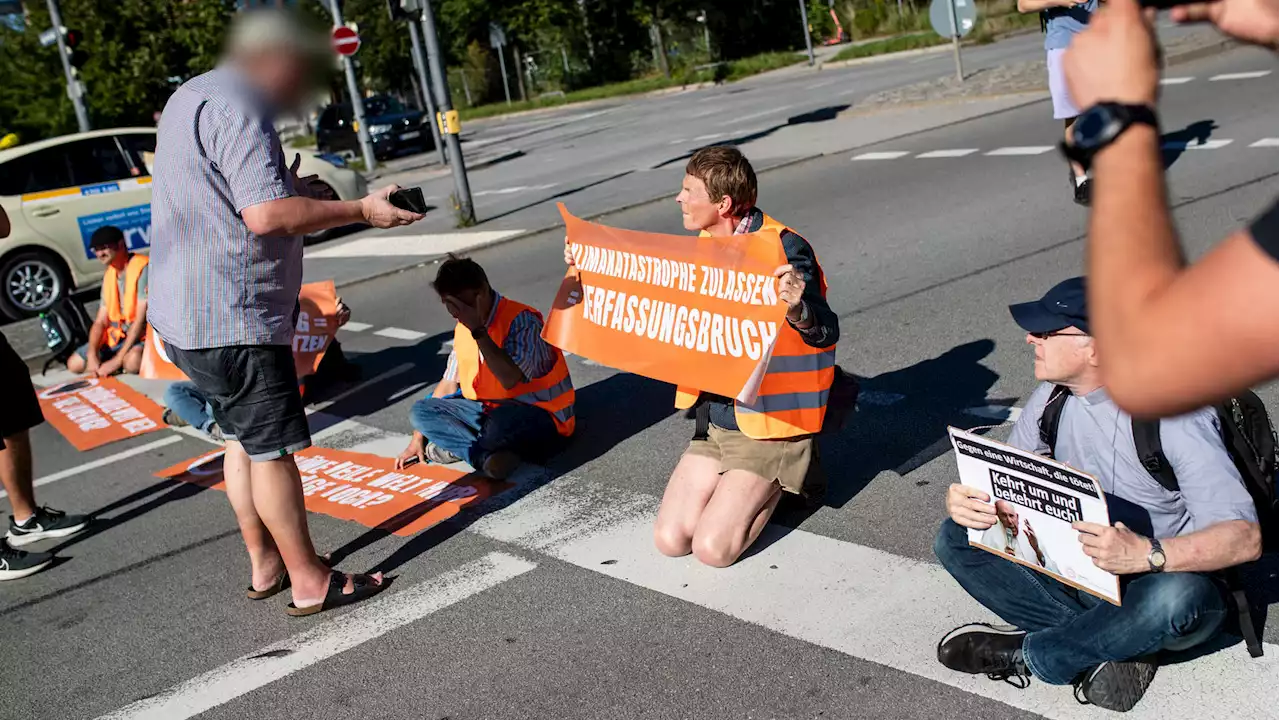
(786, 461)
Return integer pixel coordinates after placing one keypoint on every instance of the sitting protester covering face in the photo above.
(506, 394)
(1166, 546)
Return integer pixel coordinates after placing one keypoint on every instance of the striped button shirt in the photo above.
(214, 283)
(524, 345)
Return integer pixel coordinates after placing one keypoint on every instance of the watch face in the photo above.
(1157, 558)
(1095, 128)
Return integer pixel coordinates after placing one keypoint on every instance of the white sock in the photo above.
(1081, 179)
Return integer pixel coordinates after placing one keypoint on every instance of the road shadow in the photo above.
(1174, 144)
(819, 115)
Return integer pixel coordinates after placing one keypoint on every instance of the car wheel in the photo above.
(31, 281)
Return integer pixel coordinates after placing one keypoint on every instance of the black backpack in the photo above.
(1250, 440)
(66, 327)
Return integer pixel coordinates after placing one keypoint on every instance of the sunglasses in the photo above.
(1056, 333)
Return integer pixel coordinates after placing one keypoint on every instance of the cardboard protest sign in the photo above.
(1036, 501)
(92, 411)
(696, 311)
(317, 324)
(365, 488)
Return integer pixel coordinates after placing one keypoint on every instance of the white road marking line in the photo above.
(1267, 142)
(401, 368)
(1175, 80)
(884, 155)
(511, 190)
(677, 142)
(859, 601)
(407, 391)
(369, 620)
(824, 83)
(380, 244)
(1195, 144)
(1003, 413)
(1021, 150)
(880, 398)
(708, 111)
(712, 136)
(400, 333)
(103, 462)
(762, 113)
(958, 152)
(353, 326)
(1240, 75)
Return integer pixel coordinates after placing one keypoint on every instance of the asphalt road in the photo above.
(549, 601)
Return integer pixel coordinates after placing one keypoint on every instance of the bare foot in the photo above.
(312, 598)
(267, 572)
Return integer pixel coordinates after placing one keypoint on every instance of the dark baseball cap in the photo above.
(106, 236)
(1062, 307)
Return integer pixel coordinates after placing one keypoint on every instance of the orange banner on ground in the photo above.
(91, 412)
(365, 488)
(317, 324)
(701, 312)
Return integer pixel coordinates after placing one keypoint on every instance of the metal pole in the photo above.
(564, 57)
(357, 100)
(706, 32)
(462, 189)
(955, 39)
(804, 25)
(502, 61)
(75, 88)
(420, 65)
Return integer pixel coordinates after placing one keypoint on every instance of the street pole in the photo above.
(502, 62)
(420, 65)
(706, 33)
(955, 39)
(75, 88)
(804, 25)
(462, 189)
(357, 100)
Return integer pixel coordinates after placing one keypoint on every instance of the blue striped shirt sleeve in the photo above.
(526, 348)
(252, 161)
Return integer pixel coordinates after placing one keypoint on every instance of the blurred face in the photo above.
(284, 76)
(697, 209)
(1008, 515)
(108, 253)
(1063, 355)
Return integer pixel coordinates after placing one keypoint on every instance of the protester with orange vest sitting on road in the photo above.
(506, 394)
(729, 480)
(116, 338)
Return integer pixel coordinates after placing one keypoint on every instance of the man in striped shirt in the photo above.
(228, 215)
(483, 409)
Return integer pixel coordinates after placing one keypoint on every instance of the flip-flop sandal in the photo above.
(282, 583)
(362, 588)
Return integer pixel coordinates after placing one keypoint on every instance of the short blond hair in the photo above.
(725, 171)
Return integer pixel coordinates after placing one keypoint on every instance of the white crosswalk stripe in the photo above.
(399, 333)
(1176, 80)
(1196, 144)
(884, 155)
(958, 152)
(1240, 75)
(1021, 150)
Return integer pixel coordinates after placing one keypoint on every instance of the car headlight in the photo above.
(379, 129)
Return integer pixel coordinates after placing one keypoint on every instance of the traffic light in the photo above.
(76, 56)
(403, 10)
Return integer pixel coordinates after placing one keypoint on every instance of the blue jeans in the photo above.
(472, 432)
(186, 401)
(1070, 631)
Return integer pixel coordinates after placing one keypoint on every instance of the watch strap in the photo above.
(479, 333)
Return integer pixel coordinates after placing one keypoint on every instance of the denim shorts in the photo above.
(253, 390)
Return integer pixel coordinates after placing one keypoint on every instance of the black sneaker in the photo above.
(984, 649)
(1116, 685)
(45, 524)
(440, 456)
(17, 564)
(171, 419)
(1084, 192)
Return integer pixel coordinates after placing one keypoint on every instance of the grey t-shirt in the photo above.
(1095, 436)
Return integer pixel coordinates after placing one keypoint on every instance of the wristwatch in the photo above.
(480, 332)
(1156, 558)
(1100, 125)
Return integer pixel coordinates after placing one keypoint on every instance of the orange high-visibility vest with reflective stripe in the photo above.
(121, 312)
(552, 392)
(792, 401)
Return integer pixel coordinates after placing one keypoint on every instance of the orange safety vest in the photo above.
(121, 313)
(792, 400)
(552, 392)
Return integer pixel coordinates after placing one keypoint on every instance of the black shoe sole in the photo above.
(1118, 686)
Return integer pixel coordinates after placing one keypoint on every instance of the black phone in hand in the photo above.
(409, 199)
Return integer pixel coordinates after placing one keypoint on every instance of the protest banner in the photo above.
(702, 312)
(317, 324)
(91, 412)
(1037, 500)
(364, 488)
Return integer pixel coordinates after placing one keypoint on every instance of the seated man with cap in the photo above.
(1167, 547)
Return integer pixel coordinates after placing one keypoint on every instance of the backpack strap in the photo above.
(1052, 417)
(702, 421)
(1146, 436)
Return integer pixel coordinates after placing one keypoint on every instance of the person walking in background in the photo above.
(228, 216)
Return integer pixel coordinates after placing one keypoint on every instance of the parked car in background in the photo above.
(393, 128)
(56, 192)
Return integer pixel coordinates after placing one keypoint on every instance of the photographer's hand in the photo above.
(1120, 35)
(1254, 21)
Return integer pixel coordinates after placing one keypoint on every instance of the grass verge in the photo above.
(890, 45)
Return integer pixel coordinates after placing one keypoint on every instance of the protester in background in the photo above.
(506, 394)
(1176, 335)
(730, 479)
(1166, 546)
(116, 338)
(228, 215)
(1061, 21)
(29, 523)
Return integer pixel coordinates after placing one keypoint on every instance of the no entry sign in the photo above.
(345, 41)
